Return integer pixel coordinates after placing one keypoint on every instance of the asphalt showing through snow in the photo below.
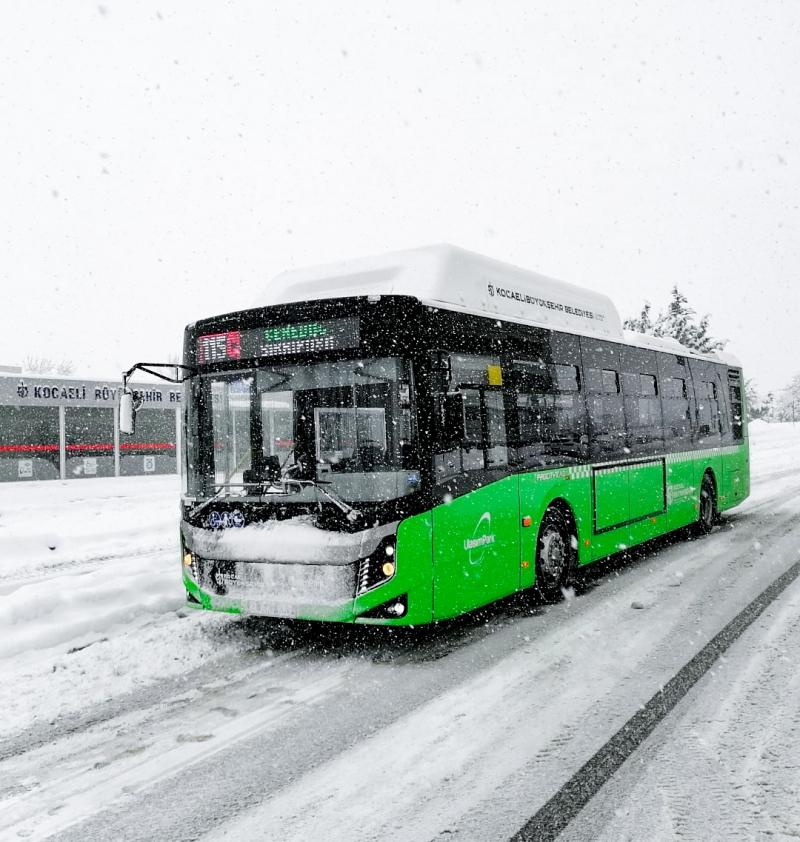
(551, 819)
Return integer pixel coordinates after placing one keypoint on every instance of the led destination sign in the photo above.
(279, 340)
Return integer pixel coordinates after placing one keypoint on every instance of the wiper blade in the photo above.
(352, 513)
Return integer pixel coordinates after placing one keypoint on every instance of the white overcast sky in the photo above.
(161, 162)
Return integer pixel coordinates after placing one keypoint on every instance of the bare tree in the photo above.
(46, 365)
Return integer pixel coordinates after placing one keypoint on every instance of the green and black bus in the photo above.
(404, 438)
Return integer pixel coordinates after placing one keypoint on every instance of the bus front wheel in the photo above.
(555, 555)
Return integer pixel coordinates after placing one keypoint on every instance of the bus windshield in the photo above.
(346, 426)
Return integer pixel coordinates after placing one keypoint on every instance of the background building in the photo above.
(68, 428)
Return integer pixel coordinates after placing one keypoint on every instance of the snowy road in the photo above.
(123, 719)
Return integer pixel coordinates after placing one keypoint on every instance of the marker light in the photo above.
(388, 569)
(187, 559)
(527, 521)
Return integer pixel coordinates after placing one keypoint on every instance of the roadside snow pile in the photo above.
(84, 556)
(89, 585)
(56, 610)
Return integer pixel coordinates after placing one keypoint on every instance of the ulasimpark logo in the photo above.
(481, 538)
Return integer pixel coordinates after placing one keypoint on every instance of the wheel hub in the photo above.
(554, 554)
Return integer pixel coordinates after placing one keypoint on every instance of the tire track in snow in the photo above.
(548, 822)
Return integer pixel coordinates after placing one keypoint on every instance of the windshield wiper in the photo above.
(352, 513)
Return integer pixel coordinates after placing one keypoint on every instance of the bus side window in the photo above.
(484, 448)
(708, 409)
(601, 368)
(735, 393)
(676, 402)
(643, 416)
(550, 413)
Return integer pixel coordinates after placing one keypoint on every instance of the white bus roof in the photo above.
(454, 279)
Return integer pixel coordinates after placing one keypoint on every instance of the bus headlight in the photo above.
(378, 567)
(191, 566)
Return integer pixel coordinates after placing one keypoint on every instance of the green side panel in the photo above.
(610, 542)
(735, 478)
(648, 528)
(611, 497)
(414, 557)
(646, 487)
(681, 492)
(476, 548)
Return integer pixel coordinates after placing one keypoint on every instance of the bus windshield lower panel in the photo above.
(345, 426)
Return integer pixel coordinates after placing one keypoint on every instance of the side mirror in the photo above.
(127, 413)
(454, 421)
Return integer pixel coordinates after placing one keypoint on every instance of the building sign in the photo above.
(25, 468)
(38, 391)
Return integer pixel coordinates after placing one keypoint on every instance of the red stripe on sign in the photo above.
(32, 448)
(90, 447)
(148, 446)
(20, 448)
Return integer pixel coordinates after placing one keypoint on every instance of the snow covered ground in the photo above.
(261, 730)
(90, 595)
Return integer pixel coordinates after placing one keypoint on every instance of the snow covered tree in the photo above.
(678, 322)
(641, 324)
(758, 407)
(788, 404)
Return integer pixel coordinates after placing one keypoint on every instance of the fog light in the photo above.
(187, 559)
(388, 569)
(398, 608)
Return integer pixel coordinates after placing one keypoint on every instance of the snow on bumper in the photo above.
(284, 569)
(277, 590)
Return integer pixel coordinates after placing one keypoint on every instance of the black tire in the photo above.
(556, 556)
(708, 506)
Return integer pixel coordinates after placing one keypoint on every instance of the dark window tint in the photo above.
(676, 402)
(485, 445)
(567, 378)
(674, 388)
(648, 385)
(28, 428)
(607, 436)
(550, 412)
(610, 382)
(643, 416)
(89, 429)
(735, 389)
(155, 433)
(708, 414)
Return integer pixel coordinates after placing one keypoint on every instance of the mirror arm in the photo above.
(148, 369)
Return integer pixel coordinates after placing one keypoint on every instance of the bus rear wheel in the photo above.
(555, 556)
(708, 506)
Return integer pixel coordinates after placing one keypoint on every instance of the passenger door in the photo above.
(476, 528)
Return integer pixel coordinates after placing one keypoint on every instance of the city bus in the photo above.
(405, 438)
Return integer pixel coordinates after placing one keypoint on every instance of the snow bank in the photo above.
(85, 556)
